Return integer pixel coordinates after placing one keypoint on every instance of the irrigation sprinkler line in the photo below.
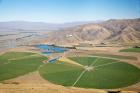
(83, 72)
(105, 57)
(94, 62)
(79, 77)
(97, 69)
(94, 67)
(105, 64)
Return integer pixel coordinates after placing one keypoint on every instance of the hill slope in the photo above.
(111, 31)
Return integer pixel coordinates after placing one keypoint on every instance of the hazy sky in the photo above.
(60, 11)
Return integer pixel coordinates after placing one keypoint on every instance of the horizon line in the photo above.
(70, 21)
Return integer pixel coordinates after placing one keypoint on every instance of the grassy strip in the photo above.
(131, 50)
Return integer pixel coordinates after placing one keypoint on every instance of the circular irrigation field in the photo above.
(95, 72)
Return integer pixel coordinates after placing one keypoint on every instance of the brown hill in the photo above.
(111, 31)
(127, 35)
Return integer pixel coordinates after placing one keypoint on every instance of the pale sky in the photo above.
(61, 11)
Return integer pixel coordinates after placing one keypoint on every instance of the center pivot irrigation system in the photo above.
(95, 72)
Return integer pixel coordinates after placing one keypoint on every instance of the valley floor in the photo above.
(34, 83)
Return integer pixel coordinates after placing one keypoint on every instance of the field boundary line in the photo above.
(79, 77)
(105, 57)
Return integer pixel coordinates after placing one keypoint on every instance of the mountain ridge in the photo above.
(110, 31)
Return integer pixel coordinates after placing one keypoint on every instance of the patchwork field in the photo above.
(92, 71)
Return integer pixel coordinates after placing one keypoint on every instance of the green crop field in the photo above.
(12, 68)
(60, 73)
(131, 50)
(116, 56)
(105, 73)
(96, 72)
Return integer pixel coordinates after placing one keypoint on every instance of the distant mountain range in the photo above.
(111, 31)
(35, 26)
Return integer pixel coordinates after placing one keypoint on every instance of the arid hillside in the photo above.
(111, 31)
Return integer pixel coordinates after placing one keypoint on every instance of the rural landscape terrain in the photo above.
(96, 57)
(69, 46)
